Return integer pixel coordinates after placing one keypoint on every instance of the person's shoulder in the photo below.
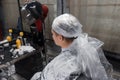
(95, 42)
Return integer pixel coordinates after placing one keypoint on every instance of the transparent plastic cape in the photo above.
(97, 44)
(82, 60)
(95, 65)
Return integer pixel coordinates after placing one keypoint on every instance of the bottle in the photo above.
(10, 32)
(21, 37)
(9, 38)
(5, 42)
(18, 43)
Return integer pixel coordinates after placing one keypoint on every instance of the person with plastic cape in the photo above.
(81, 56)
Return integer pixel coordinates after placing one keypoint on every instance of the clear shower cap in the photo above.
(67, 25)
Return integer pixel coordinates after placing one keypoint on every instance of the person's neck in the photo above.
(66, 44)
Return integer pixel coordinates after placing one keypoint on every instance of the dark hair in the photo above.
(69, 39)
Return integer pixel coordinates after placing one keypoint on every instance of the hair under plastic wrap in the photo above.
(67, 25)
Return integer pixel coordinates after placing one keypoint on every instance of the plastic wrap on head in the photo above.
(67, 25)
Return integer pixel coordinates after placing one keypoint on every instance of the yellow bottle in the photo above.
(18, 43)
(9, 38)
(10, 32)
(21, 37)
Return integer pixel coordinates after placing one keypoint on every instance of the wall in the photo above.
(10, 10)
(100, 19)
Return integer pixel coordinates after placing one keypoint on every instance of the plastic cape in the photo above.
(97, 44)
(96, 66)
(61, 66)
(80, 61)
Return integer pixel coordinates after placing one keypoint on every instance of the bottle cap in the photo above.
(21, 34)
(10, 30)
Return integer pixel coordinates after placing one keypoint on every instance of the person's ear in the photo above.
(60, 37)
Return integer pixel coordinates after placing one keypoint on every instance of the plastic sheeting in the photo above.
(82, 60)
